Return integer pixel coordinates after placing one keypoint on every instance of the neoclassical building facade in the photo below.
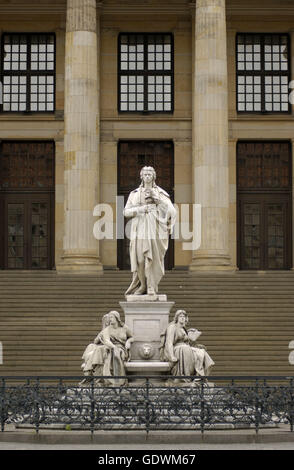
(92, 91)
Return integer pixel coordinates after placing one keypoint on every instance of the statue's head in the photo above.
(114, 318)
(148, 174)
(181, 317)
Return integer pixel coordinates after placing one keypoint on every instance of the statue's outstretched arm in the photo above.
(105, 339)
(130, 339)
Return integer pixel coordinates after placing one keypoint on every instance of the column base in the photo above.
(80, 264)
(212, 262)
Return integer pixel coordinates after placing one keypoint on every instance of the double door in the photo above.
(265, 231)
(26, 230)
(264, 176)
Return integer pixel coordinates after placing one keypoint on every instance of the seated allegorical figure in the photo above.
(105, 357)
(180, 349)
(95, 354)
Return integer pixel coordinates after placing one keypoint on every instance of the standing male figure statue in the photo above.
(153, 216)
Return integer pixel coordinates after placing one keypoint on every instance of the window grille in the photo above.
(145, 78)
(263, 73)
(28, 72)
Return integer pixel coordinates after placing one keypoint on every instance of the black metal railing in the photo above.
(147, 403)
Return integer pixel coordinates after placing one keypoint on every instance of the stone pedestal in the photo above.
(156, 369)
(147, 320)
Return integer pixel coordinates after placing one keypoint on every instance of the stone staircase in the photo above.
(47, 319)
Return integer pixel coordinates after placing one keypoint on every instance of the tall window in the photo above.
(263, 73)
(145, 78)
(28, 72)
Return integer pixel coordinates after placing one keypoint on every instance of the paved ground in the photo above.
(147, 447)
(50, 439)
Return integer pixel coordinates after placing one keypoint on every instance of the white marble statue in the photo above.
(110, 350)
(153, 216)
(179, 348)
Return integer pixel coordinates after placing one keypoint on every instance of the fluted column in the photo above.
(210, 135)
(81, 141)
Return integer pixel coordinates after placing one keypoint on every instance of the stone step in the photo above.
(57, 310)
(46, 320)
(32, 326)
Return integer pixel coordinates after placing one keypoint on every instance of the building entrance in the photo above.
(264, 205)
(27, 205)
(132, 157)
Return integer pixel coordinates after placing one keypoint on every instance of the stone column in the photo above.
(210, 135)
(81, 141)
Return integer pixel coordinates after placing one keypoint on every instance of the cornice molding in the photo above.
(142, 7)
(28, 8)
(126, 7)
(234, 8)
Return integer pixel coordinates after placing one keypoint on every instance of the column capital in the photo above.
(81, 15)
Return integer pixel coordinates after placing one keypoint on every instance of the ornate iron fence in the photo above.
(147, 403)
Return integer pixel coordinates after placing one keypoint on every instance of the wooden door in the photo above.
(265, 239)
(264, 206)
(27, 205)
(28, 231)
(132, 157)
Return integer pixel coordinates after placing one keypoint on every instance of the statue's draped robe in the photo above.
(203, 361)
(105, 360)
(149, 235)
